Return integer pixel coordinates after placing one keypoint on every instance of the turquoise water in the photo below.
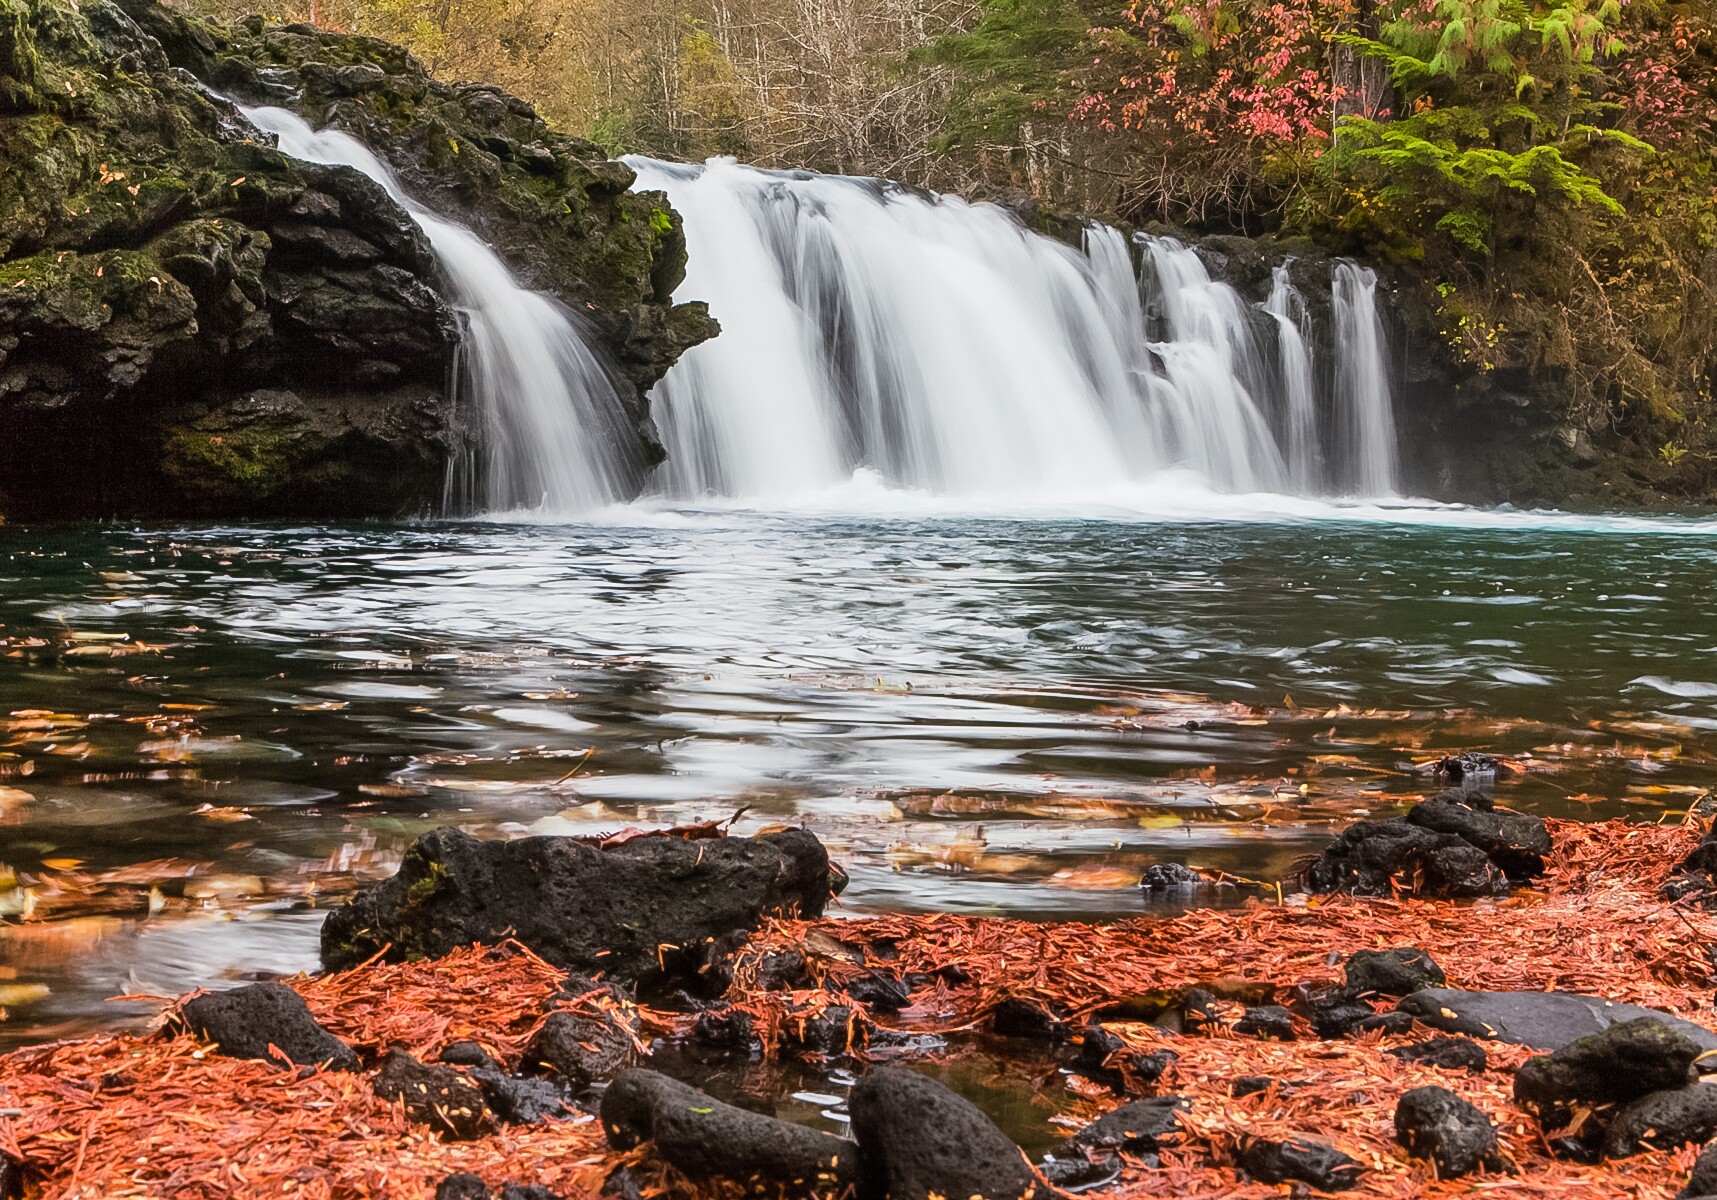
(979, 712)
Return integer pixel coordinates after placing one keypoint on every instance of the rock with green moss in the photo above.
(192, 322)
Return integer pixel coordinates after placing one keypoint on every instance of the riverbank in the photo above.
(161, 1114)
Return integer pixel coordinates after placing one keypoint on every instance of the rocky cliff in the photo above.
(193, 323)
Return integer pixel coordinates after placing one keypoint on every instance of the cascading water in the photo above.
(1365, 414)
(946, 348)
(544, 398)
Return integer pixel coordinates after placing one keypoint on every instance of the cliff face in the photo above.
(193, 323)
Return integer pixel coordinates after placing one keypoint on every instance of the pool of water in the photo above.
(208, 733)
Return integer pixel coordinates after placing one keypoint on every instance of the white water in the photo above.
(544, 399)
(1365, 418)
(940, 348)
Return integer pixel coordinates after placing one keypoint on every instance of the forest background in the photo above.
(1542, 172)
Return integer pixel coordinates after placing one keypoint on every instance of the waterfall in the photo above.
(1299, 385)
(939, 344)
(1365, 410)
(546, 402)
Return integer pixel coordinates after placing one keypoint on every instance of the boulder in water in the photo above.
(1515, 842)
(645, 911)
(919, 1140)
(1542, 1020)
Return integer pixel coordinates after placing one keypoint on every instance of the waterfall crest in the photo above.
(544, 399)
(867, 326)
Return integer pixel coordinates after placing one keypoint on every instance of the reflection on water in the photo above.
(212, 731)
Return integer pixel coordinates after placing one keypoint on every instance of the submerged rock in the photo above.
(439, 1097)
(1433, 1123)
(1302, 1160)
(245, 1022)
(919, 1140)
(1621, 1063)
(1392, 972)
(705, 1138)
(1663, 1121)
(1542, 1020)
(642, 912)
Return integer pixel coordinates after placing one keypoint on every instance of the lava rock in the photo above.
(1077, 1173)
(467, 1054)
(1336, 1012)
(1303, 1160)
(519, 1100)
(704, 1138)
(1381, 858)
(919, 1140)
(728, 1028)
(1469, 768)
(1433, 1123)
(1513, 841)
(245, 1022)
(1147, 1066)
(439, 1097)
(1169, 876)
(1266, 1021)
(1702, 1180)
(1142, 1127)
(829, 1033)
(640, 912)
(581, 1050)
(1449, 1053)
(1663, 1121)
(1250, 1085)
(1096, 1047)
(1542, 1020)
(462, 1186)
(1394, 972)
(1622, 1063)
(1018, 1017)
(880, 992)
(783, 970)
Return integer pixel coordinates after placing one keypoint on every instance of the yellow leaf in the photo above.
(62, 864)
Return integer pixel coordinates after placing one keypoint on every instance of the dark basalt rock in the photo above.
(1542, 1020)
(829, 1033)
(705, 1138)
(462, 1186)
(1663, 1121)
(1622, 1063)
(467, 1054)
(1516, 843)
(1449, 1053)
(642, 911)
(519, 1100)
(193, 323)
(726, 1028)
(881, 992)
(439, 1097)
(1096, 1046)
(1433, 1123)
(1169, 877)
(1702, 1180)
(1019, 1017)
(1336, 1012)
(1392, 972)
(919, 1140)
(1077, 1173)
(246, 1021)
(1148, 1066)
(1468, 769)
(1381, 858)
(1266, 1021)
(1393, 1024)
(580, 1050)
(1302, 1160)
(1142, 1127)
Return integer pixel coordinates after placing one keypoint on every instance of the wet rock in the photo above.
(467, 1054)
(726, 1028)
(1542, 1020)
(1449, 1053)
(527, 1191)
(705, 1138)
(1515, 842)
(1141, 1127)
(11, 1178)
(580, 1050)
(1663, 1121)
(1702, 1180)
(784, 970)
(1266, 1021)
(880, 992)
(246, 1021)
(920, 1140)
(1145, 1067)
(1392, 972)
(1469, 769)
(1019, 1017)
(1169, 876)
(1303, 1160)
(640, 912)
(1251, 1085)
(1335, 1012)
(1382, 858)
(1622, 1063)
(519, 1100)
(828, 1033)
(1198, 1010)
(1435, 1124)
(1077, 1173)
(439, 1097)
(1096, 1046)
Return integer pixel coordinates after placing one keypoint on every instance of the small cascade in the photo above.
(546, 403)
(1365, 411)
(1299, 384)
(939, 344)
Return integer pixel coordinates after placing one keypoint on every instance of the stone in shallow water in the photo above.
(705, 1138)
(246, 1021)
(1542, 1020)
(919, 1140)
(1433, 1123)
(1622, 1063)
